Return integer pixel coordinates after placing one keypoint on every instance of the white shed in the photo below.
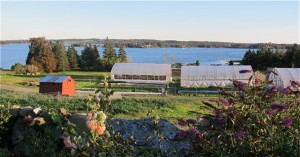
(219, 76)
(282, 77)
(142, 73)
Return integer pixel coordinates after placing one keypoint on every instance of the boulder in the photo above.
(80, 121)
(152, 133)
(25, 111)
(14, 111)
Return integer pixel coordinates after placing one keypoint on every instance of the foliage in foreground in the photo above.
(256, 121)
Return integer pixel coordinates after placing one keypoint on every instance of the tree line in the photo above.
(266, 57)
(148, 43)
(49, 57)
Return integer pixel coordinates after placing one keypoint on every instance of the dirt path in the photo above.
(17, 88)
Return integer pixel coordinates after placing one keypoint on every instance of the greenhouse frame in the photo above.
(282, 77)
(217, 76)
(142, 73)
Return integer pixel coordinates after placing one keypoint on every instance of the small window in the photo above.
(143, 77)
(128, 77)
(136, 77)
(150, 77)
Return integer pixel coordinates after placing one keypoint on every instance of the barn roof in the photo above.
(54, 79)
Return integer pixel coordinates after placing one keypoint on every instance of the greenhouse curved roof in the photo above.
(285, 75)
(204, 76)
(141, 69)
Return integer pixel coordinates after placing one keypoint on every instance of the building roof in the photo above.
(204, 76)
(285, 75)
(141, 69)
(53, 79)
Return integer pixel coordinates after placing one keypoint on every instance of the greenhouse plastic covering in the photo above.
(282, 77)
(220, 76)
(142, 69)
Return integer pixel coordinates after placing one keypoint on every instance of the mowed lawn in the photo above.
(170, 107)
(84, 79)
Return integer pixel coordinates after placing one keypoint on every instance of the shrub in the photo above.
(254, 121)
(18, 68)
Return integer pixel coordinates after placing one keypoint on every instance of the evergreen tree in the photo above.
(40, 55)
(90, 58)
(109, 55)
(197, 63)
(61, 56)
(73, 58)
(122, 54)
(292, 56)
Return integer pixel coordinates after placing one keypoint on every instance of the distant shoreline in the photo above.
(149, 43)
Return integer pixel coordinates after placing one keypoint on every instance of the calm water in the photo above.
(13, 53)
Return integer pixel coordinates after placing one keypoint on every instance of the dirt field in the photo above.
(17, 88)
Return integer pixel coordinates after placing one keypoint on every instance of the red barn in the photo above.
(63, 85)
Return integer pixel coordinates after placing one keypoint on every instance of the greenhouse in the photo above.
(218, 76)
(142, 73)
(282, 77)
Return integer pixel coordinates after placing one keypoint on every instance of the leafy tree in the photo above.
(122, 54)
(41, 55)
(61, 56)
(197, 63)
(109, 55)
(18, 68)
(32, 69)
(73, 58)
(90, 58)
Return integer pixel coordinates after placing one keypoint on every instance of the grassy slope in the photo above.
(168, 107)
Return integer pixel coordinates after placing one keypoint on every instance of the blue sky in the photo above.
(229, 21)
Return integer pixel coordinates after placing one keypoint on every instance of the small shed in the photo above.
(63, 85)
(282, 77)
(142, 73)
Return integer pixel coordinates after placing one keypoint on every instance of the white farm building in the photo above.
(282, 77)
(142, 73)
(219, 76)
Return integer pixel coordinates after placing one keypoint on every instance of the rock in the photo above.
(146, 133)
(63, 111)
(18, 131)
(204, 122)
(14, 111)
(37, 111)
(79, 119)
(39, 120)
(25, 111)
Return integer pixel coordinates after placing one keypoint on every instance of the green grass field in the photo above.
(169, 107)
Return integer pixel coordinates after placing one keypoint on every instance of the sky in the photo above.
(225, 21)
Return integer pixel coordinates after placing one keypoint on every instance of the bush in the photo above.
(259, 121)
(18, 68)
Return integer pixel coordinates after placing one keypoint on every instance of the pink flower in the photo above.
(239, 84)
(273, 89)
(288, 122)
(240, 134)
(269, 111)
(225, 102)
(67, 142)
(89, 116)
(245, 71)
(287, 91)
(295, 83)
(257, 80)
(278, 107)
(191, 121)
